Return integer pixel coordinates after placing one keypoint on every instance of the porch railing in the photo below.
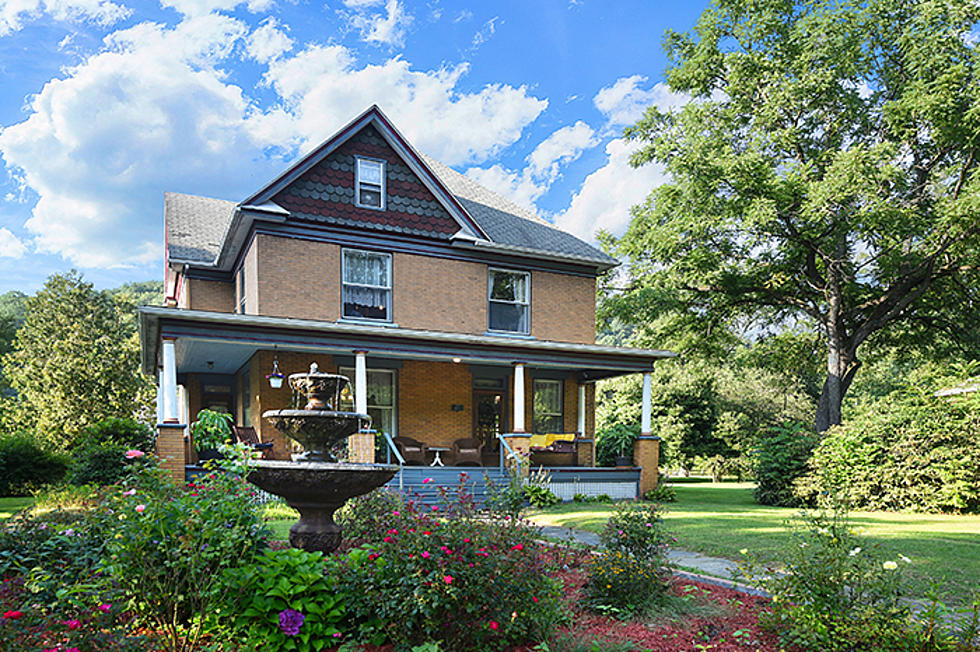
(510, 454)
(394, 449)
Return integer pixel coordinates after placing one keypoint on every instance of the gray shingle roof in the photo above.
(196, 225)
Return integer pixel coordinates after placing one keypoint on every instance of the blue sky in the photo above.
(107, 104)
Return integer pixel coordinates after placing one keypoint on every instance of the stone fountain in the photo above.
(315, 484)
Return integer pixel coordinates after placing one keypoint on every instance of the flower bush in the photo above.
(171, 543)
(832, 590)
(634, 574)
(286, 600)
(465, 581)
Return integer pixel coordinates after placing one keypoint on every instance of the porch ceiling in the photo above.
(210, 342)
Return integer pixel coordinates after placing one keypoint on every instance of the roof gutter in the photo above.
(601, 264)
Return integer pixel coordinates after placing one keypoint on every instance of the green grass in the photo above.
(721, 519)
(10, 506)
(279, 517)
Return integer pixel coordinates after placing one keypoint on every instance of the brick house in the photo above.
(456, 313)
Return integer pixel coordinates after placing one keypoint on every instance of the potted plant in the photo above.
(211, 429)
(616, 443)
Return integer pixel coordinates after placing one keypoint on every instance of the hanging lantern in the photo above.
(275, 378)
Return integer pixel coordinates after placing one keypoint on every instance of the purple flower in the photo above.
(290, 621)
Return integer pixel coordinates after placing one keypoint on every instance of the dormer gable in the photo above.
(323, 186)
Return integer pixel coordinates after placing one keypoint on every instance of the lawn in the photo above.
(721, 519)
(10, 506)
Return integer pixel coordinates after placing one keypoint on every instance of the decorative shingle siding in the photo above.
(325, 193)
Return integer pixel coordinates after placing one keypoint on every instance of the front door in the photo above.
(488, 416)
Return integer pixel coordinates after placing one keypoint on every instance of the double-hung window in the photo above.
(509, 297)
(367, 285)
(547, 406)
(381, 402)
(370, 183)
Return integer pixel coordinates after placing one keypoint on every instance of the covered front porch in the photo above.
(479, 402)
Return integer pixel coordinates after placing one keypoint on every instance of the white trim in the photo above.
(519, 397)
(360, 382)
(581, 410)
(357, 182)
(393, 373)
(645, 420)
(170, 414)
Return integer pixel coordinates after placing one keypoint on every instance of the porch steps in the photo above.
(410, 481)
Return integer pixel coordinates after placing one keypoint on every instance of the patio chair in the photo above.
(412, 450)
(247, 435)
(467, 451)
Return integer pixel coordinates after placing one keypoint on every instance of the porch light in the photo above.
(275, 378)
(457, 360)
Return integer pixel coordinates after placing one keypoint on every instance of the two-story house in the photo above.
(456, 313)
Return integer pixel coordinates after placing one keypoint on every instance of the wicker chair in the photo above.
(247, 435)
(467, 451)
(412, 450)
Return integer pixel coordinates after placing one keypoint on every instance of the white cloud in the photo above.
(487, 31)
(323, 88)
(10, 246)
(624, 102)
(268, 42)
(14, 13)
(382, 29)
(561, 148)
(148, 114)
(362, 4)
(544, 165)
(606, 195)
(519, 187)
(194, 8)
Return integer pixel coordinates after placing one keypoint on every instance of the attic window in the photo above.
(370, 183)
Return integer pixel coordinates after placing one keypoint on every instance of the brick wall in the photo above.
(298, 279)
(440, 295)
(426, 394)
(562, 307)
(216, 296)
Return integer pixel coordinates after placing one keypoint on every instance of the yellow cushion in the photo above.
(540, 440)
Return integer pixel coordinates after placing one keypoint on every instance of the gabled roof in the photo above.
(206, 232)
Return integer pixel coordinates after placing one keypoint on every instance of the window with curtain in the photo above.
(367, 285)
(509, 301)
(380, 398)
(547, 406)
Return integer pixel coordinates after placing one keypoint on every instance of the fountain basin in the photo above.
(317, 430)
(316, 490)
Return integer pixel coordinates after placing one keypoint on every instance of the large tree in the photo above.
(75, 361)
(825, 172)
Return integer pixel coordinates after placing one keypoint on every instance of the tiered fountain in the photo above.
(315, 484)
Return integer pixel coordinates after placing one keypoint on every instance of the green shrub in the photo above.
(261, 596)
(585, 498)
(780, 457)
(540, 496)
(26, 466)
(615, 440)
(832, 590)
(661, 494)
(621, 584)
(909, 450)
(172, 542)
(124, 432)
(637, 529)
(99, 453)
(211, 429)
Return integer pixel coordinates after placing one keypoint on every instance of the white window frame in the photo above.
(349, 372)
(343, 282)
(358, 182)
(561, 405)
(526, 302)
(241, 289)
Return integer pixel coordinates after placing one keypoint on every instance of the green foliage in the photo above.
(507, 499)
(280, 580)
(99, 454)
(614, 440)
(584, 498)
(637, 529)
(832, 590)
(172, 544)
(26, 465)
(908, 450)
(662, 493)
(824, 176)
(75, 361)
(211, 429)
(540, 496)
(780, 457)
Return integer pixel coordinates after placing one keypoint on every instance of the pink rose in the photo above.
(140, 508)
(131, 492)
(448, 579)
(133, 454)
(105, 607)
(427, 481)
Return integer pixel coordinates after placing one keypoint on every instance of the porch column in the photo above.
(585, 445)
(645, 407)
(581, 410)
(519, 397)
(170, 444)
(170, 414)
(360, 445)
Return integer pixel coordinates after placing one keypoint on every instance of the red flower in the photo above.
(534, 598)
(73, 624)
(494, 625)
(519, 546)
(448, 579)
(13, 615)
(387, 539)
